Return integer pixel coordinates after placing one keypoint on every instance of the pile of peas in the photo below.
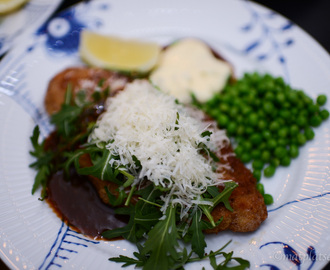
(267, 120)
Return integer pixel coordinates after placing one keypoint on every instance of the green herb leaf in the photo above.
(115, 201)
(42, 164)
(229, 262)
(198, 243)
(225, 194)
(101, 167)
(162, 243)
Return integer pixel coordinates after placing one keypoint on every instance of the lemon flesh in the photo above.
(118, 54)
(7, 6)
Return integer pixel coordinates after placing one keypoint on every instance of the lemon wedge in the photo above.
(7, 6)
(118, 54)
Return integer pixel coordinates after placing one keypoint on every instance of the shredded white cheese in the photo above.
(165, 137)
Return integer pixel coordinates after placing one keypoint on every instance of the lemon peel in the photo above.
(7, 6)
(117, 53)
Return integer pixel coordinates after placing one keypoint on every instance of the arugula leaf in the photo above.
(241, 264)
(127, 260)
(101, 167)
(115, 201)
(143, 216)
(162, 243)
(128, 231)
(42, 164)
(65, 118)
(41, 180)
(224, 195)
(198, 243)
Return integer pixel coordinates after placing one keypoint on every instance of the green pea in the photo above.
(282, 142)
(231, 128)
(280, 98)
(239, 150)
(257, 175)
(268, 199)
(269, 171)
(316, 120)
(285, 161)
(265, 156)
(292, 97)
(233, 112)
(274, 126)
(262, 124)
(275, 162)
(240, 130)
(321, 100)
(294, 111)
(266, 134)
(247, 145)
(301, 121)
(245, 157)
(249, 130)
(280, 82)
(268, 107)
(271, 144)
(253, 119)
(213, 112)
(262, 146)
(257, 165)
(294, 130)
(301, 139)
(256, 139)
(309, 133)
(293, 151)
(283, 132)
(324, 114)
(285, 114)
(312, 108)
(256, 153)
(224, 107)
(280, 152)
(269, 96)
(223, 120)
(246, 110)
(261, 188)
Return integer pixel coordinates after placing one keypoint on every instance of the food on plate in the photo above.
(148, 151)
(188, 67)
(110, 52)
(268, 120)
(159, 166)
(8, 6)
(81, 78)
(246, 191)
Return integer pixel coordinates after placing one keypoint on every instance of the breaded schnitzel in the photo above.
(249, 209)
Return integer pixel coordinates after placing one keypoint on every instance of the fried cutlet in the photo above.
(81, 78)
(249, 209)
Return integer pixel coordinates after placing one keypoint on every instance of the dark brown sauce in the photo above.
(78, 204)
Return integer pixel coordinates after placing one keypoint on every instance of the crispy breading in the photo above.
(80, 78)
(249, 209)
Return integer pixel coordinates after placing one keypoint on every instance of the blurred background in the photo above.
(311, 15)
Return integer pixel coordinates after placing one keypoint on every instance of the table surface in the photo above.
(312, 16)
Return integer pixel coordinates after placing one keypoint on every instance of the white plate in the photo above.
(249, 36)
(15, 26)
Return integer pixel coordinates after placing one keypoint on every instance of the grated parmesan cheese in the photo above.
(165, 137)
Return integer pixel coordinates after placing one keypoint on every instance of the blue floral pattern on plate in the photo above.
(14, 25)
(63, 31)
